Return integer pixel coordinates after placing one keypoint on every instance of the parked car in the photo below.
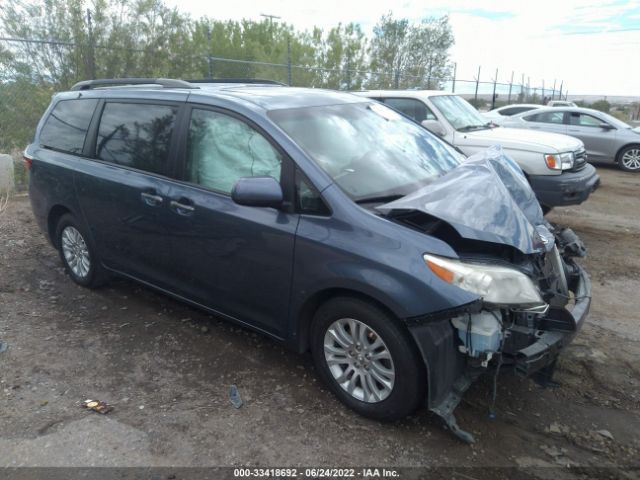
(497, 115)
(606, 138)
(555, 165)
(560, 103)
(324, 220)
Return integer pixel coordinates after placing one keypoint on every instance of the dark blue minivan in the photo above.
(327, 221)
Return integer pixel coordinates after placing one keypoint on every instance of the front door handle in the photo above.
(151, 199)
(182, 208)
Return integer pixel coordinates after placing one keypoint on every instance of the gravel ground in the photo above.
(167, 369)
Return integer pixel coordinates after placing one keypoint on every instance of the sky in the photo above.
(593, 47)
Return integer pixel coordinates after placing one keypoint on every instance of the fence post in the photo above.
(493, 97)
(348, 75)
(510, 87)
(91, 54)
(210, 60)
(543, 91)
(289, 81)
(553, 93)
(455, 71)
(475, 97)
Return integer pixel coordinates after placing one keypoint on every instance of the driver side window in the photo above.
(221, 149)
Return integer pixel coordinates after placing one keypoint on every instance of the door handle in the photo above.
(151, 199)
(182, 208)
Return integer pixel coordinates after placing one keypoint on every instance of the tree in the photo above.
(407, 55)
(601, 105)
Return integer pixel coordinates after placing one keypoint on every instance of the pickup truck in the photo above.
(555, 165)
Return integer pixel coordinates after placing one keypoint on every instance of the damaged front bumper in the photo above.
(560, 325)
(533, 347)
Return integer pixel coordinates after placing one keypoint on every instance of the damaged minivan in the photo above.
(324, 220)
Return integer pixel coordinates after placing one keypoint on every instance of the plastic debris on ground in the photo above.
(234, 396)
(97, 406)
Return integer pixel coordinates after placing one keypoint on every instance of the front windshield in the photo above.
(369, 150)
(458, 112)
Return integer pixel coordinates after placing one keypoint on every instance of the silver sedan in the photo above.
(606, 138)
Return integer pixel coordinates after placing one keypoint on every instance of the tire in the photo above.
(629, 158)
(78, 254)
(395, 398)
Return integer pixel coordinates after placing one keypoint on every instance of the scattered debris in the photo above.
(234, 396)
(3, 346)
(605, 433)
(97, 406)
(204, 329)
(554, 428)
(553, 451)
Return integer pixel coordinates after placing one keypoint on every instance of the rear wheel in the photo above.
(367, 359)
(78, 256)
(629, 159)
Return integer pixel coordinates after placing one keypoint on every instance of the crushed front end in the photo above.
(532, 295)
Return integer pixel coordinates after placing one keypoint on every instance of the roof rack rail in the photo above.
(107, 82)
(238, 80)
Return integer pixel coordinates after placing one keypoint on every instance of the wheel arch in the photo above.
(306, 312)
(55, 213)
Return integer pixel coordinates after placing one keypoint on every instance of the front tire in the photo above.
(77, 254)
(367, 359)
(629, 158)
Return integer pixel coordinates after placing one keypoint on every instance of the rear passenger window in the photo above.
(546, 117)
(222, 149)
(67, 125)
(136, 135)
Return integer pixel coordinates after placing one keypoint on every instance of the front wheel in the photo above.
(367, 359)
(629, 159)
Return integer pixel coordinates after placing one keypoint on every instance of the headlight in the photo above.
(495, 284)
(559, 161)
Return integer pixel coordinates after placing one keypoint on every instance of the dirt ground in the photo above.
(167, 369)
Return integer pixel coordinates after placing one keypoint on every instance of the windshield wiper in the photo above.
(466, 128)
(380, 199)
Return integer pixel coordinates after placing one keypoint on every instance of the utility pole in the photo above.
(90, 69)
(553, 93)
(276, 17)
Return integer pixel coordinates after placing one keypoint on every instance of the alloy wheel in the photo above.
(631, 159)
(359, 360)
(75, 251)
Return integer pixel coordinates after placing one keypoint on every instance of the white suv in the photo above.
(556, 165)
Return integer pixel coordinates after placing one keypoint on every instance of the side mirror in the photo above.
(257, 192)
(434, 126)
(606, 126)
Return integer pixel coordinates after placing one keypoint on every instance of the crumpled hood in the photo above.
(515, 138)
(486, 198)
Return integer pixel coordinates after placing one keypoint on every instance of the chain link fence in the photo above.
(31, 74)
